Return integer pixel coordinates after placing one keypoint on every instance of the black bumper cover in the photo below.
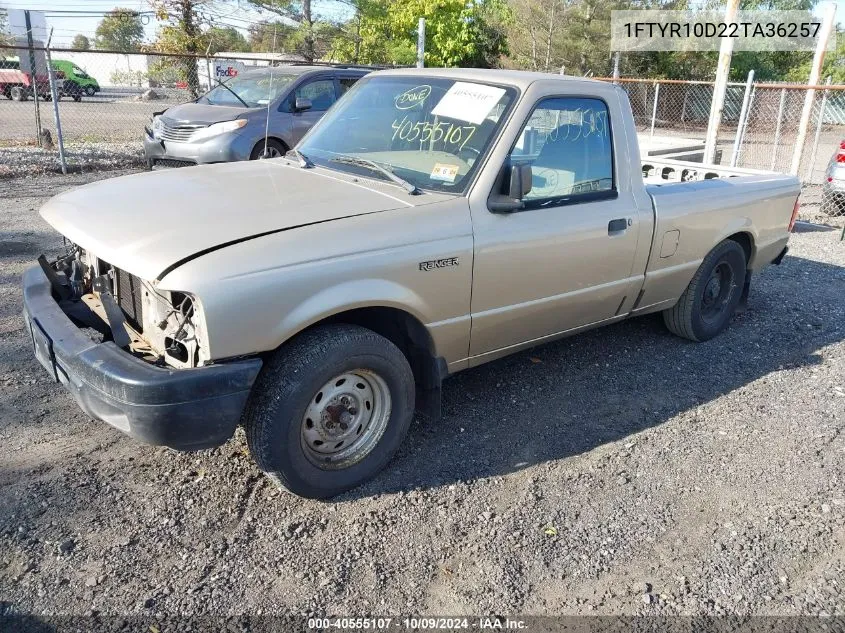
(185, 409)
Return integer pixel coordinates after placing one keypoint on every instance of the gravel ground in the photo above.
(20, 161)
(623, 471)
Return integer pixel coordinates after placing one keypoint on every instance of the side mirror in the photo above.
(516, 184)
(302, 104)
(519, 184)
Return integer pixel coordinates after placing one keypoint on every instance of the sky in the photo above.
(69, 17)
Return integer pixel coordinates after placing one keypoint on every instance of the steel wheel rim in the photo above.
(89, 91)
(717, 292)
(345, 419)
(271, 152)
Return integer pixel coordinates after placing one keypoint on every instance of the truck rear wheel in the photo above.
(707, 305)
(18, 94)
(329, 410)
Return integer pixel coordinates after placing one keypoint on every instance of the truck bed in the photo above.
(698, 205)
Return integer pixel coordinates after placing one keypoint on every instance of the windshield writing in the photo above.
(432, 132)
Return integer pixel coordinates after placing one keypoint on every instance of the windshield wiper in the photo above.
(304, 161)
(374, 166)
(237, 96)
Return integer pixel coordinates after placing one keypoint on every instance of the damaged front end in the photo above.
(164, 328)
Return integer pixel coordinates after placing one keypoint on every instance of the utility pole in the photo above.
(815, 72)
(421, 44)
(722, 71)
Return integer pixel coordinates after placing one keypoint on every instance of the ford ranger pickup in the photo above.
(432, 221)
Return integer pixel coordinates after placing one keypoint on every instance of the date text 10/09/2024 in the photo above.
(484, 623)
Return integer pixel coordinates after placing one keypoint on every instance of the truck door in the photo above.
(566, 259)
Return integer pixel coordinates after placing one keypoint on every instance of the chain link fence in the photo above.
(105, 99)
(672, 116)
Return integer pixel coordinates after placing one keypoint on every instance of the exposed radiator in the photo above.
(128, 294)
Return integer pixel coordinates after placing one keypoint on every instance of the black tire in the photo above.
(18, 94)
(77, 98)
(699, 315)
(7, 93)
(90, 91)
(292, 380)
(71, 88)
(273, 147)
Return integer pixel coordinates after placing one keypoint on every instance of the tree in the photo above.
(5, 36)
(120, 30)
(457, 33)
(182, 35)
(833, 66)
(81, 43)
(300, 12)
(224, 39)
(266, 37)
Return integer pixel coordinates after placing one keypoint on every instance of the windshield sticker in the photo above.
(468, 102)
(444, 172)
(412, 98)
(452, 136)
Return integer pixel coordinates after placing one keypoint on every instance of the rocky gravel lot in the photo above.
(21, 161)
(623, 471)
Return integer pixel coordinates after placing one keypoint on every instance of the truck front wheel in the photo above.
(18, 94)
(329, 410)
(713, 295)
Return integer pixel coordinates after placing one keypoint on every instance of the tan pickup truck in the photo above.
(434, 220)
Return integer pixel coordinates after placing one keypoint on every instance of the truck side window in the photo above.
(567, 142)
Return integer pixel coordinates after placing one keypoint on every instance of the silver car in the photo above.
(833, 189)
(228, 123)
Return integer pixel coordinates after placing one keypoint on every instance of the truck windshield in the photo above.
(254, 90)
(431, 132)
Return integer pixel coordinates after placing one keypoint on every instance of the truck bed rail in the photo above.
(666, 170)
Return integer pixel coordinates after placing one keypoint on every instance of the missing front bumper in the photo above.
(185, 409)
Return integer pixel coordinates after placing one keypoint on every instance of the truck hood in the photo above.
(150, 223)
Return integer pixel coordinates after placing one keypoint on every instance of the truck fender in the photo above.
(429, 369)
(347, 296)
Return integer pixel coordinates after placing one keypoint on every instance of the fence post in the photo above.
(815, 71)
(809, 173)
(34, 72)
(777, 129)
(743, 118)
(55, 95)
(654, 107)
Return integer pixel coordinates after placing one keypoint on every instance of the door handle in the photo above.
(618, 225)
